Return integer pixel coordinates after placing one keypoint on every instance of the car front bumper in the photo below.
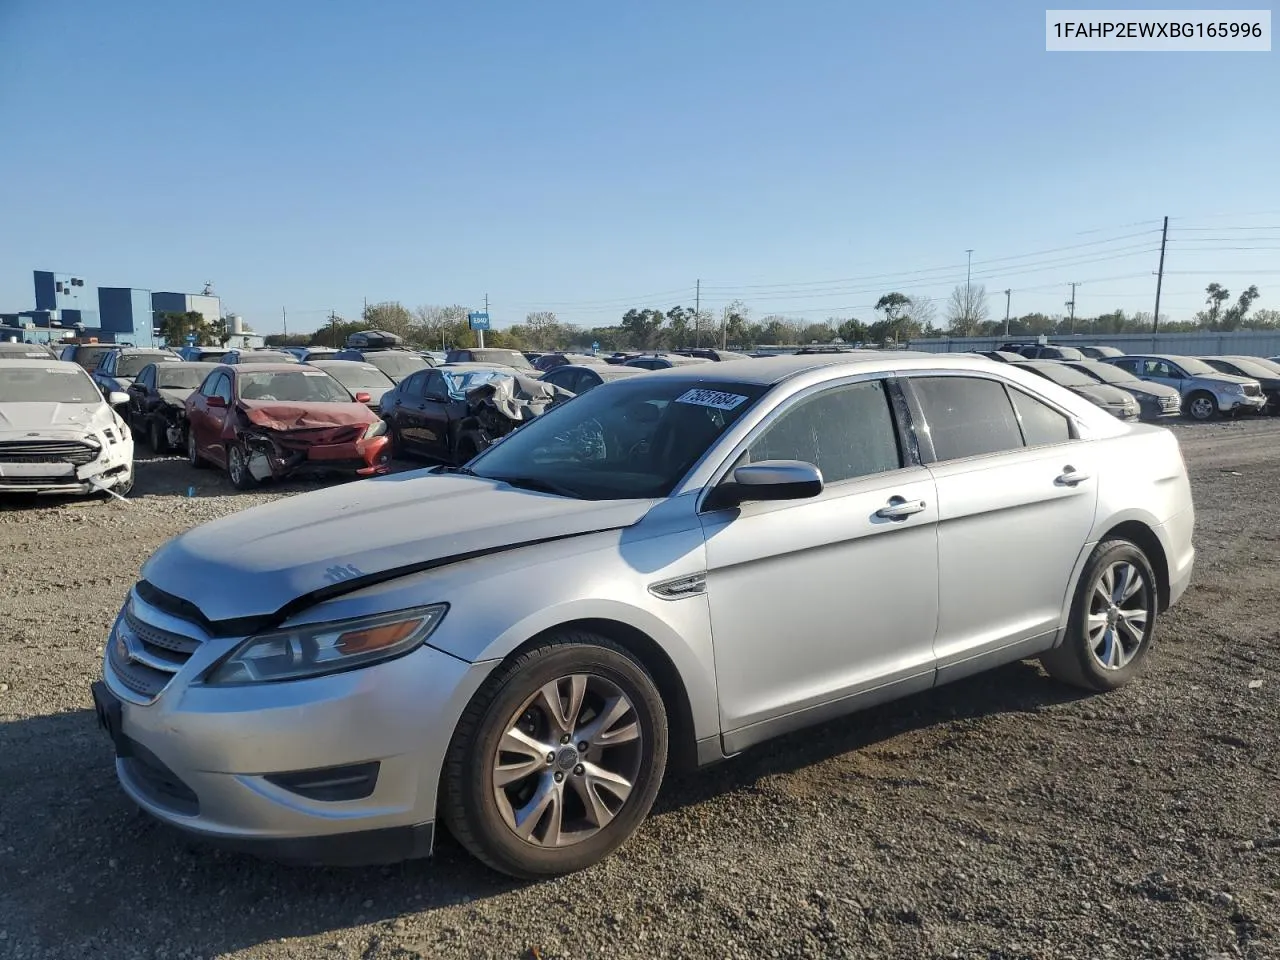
(1237, 403)
(238, 765)
(111, 468)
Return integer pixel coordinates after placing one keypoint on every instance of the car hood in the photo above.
(58, 419)
(277, 415)
(1224, 378)
(1148, 389)
(177, 396)
(257, 562)
(1104, 393)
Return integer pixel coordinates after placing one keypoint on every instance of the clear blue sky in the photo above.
(578, 156)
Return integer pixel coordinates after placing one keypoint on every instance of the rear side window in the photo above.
(845, 432)
(967, 416)
(1041, 424)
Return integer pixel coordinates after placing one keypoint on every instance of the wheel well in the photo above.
(1144, 538)
(683, 744)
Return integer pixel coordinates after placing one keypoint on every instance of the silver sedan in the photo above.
(667, 569)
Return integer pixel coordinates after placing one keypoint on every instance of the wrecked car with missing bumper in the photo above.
(157, 402)
(271, 421)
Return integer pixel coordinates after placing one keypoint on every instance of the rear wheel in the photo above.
(193, 455)
(1113, 618)
(557, 759)
(238, 467)
(1202, 406)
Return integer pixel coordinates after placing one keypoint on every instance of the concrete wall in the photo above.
(1206, 343)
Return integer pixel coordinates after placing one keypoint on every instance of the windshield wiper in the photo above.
(445, 468)
(539, 485)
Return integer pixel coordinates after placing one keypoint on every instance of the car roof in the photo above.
(605, 371)
(200, 364)
(262, 367)
(767, 371)
(472, 365)
(156, 351)
(49, 364)
(330, 363)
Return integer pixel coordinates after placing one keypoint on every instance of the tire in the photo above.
(193, 457)
(124, 489)
(1202, 406)
(156, 436)
(238, 467)
(483, 816)
(1120, 638)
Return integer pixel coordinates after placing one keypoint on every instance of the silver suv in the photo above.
(521, 646)
(1206, 393)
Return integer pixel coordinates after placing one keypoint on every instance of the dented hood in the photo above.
(255, 562)
(281, 416)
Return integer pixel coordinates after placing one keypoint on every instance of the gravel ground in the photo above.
(1002, 817)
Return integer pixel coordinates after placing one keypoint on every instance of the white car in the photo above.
(58, 434)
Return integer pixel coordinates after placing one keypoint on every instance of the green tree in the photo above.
(390, 316)
(1233, 317)
(680, 321)
(892, 306)
(643, 328)
(176, 327)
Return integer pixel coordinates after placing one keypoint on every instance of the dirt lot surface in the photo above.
(1002, 817)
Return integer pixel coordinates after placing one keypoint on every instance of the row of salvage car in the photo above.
(1157, 386)
(268, 415)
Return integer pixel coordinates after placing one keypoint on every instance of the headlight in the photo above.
(376, 429)
(319, 648)
(1234, 388)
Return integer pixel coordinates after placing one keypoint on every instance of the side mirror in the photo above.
(215, 402)
(771, 480)
(118, 399)
(363, 397)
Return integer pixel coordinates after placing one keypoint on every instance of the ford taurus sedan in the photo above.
(520, 647)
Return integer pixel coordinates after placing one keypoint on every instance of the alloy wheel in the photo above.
(568, 761)
(1202, 408)
(236, 466)
(1119, 609)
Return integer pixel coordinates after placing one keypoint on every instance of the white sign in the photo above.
(712, 398)
(1182, 31)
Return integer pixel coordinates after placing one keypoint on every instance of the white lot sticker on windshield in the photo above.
(314, 373)
(712, 398)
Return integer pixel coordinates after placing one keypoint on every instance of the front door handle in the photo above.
(900, 509)
(1070, 476)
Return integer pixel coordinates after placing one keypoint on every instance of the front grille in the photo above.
(144, 656)
(1252, 390)
(64, 480)
(1171, 404)
(48, 451)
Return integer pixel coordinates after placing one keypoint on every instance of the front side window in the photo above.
(966, 416)
(146, 376)
(637, 439)
(845, 432)
(222, 388)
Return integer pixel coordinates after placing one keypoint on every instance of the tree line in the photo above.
(898, 317)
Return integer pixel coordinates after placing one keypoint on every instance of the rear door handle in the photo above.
(1070, 477)
(900, 509)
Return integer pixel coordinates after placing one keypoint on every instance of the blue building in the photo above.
(126, 316)
(65, 298)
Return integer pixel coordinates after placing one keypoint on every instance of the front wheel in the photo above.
(1202, 406)
(557, 759)
(156, 435)
(1113, 617)
(238, 468)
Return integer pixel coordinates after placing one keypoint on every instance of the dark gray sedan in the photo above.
(1155, 399)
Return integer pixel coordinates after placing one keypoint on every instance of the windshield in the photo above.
(131, 364)
(1063, 375)
(47, 385)
(301, 386)
(1106, 373)
(179, 376)
(358, 376)
(631, 438)
(1197, 368)
(395, 364)
(1252, 368)
(88, 357)
(459, 383)
(512, 358)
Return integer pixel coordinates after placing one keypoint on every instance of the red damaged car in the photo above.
(273, 420)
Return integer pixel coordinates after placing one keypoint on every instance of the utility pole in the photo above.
(284, 317)
(697, 312)
(1008, 297)
(968, 274)
(1072, 304)
(333, 327)
(1164, 239)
